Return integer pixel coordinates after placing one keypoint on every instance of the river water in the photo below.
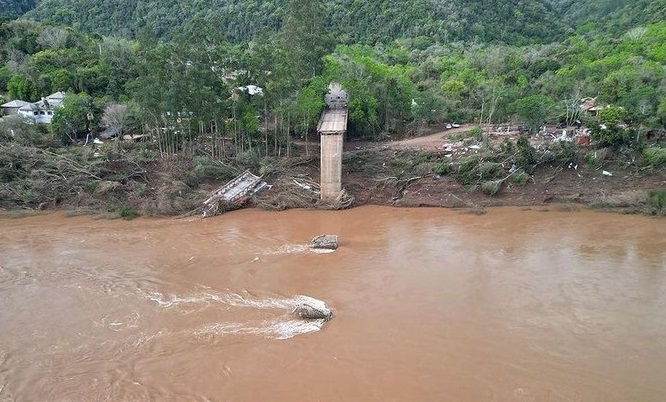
(430, 305)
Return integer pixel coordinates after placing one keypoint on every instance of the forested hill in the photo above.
(610, 16)
(351, 21)
(10, 9)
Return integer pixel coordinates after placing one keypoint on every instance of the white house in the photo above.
(42, 111)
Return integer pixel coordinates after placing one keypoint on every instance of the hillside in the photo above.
(608, 16)
(516, 22)
(10, 9)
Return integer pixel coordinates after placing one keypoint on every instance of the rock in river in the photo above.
(309, 312)
(327, 242)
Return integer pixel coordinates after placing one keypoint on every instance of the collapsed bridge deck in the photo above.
(333, 121)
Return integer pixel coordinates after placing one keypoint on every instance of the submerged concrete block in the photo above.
(309, 312)
(326, 242)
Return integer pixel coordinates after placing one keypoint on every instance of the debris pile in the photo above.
(233, 194)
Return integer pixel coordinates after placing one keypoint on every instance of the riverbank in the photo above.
(456, 169)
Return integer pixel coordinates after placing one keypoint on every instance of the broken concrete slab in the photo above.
(324, 242)
(309, 312)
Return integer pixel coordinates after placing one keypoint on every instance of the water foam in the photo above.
(274, 329)
(208, 298)
(284, 326)
(288, 249)
(321, 250)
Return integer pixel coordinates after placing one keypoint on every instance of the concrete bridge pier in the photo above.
(331, 128)
(331, 166)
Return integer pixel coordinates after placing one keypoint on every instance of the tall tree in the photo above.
(305, 38)
(116, 117)
(534, 109)
(74, 117)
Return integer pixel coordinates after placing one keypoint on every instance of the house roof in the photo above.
(110, 132)
(590, 104)
(15, 104)
(56, 96)
(29, 107)
(48, 103)
(251, 89)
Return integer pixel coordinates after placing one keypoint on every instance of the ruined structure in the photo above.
(332, 128)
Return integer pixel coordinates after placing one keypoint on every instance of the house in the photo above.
(11, 108)
(251, 90)
(590, 106)
(42, 111)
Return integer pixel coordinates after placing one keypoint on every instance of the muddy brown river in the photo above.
(430, 305)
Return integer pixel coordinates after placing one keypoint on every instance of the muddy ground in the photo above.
(458, 168)
(402, 173)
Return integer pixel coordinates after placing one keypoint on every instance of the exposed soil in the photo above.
(388, 173)
(422, 171)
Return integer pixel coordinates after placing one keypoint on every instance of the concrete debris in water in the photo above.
(309, 312)
(327, 242)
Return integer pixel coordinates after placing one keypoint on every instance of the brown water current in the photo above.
(430, 305)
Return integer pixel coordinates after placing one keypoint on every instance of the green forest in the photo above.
(419, 69)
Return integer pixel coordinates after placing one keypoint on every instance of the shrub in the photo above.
(401, 163)
(654, 156)
(443, 168)
(208, 170)
(24, 132)
(127, 213)
(476, 133)
(506, 146)
(590, 159)
(656, 202)
(612, 135)
(489, 170)
(566, 151)
(250, 158)
(492, 187)
(521, 178)
(526, 154)
(148, 153)
(466, 168)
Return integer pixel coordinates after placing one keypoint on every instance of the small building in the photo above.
(42, 111)
(251, 90)
(11, 108)
(590, 106)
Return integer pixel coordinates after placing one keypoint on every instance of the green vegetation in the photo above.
(367, 22)
(183, 77)
(128, 213)
(654, 156)
(187, 87)
(656, 202)
(11, 9)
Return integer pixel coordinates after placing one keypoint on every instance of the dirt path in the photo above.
(436, 141)
(551, 182)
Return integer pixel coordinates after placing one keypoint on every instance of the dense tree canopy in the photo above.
(188, 71)
(369, 22)
(11, 9)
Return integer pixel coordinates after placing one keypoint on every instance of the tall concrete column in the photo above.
(331, 166)
(332, 127)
